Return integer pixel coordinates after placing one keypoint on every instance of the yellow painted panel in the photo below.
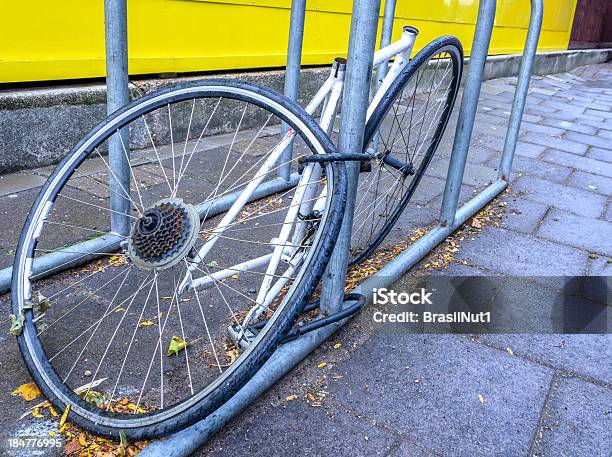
(42, 40)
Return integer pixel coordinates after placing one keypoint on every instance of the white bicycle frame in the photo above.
(305, 199)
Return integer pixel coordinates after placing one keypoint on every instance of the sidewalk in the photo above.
(418, 395)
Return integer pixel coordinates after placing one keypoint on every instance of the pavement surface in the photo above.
(401, 394)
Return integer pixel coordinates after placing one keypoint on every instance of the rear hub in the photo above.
(164, 234)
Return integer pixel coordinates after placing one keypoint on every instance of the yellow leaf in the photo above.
(118, 310)
(82, 440)
(337, 345)
(36, 413)
(176, 345)
(27, 391)
(235, 277)
(509, 351)
(481, 398)
(322, 364)
(291, 397)
(146, 324)
(64, 417)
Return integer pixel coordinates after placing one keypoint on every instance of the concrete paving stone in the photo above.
(474, 175)
(513, 253)
(411, 388)
(459, 269)
(535, 167)
(594, 183)
(587, 164)
(267, 430)
(523, 215)
(600, 154)
(17, 182)
(561, 115)
(586, 355)
(605, 134)
(589, 140)
(567, 125)
(543, 129)
(529, 150)
(596, 113)
(489, 128)
(409, 449)
(572, 108)
(559, 196)
(428, 189)
(578, 422)
(581, 232)
(608, 214)
(603, 124)
(554, 142)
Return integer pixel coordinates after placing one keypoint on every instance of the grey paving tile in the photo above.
(408, 449)
(608, 214)
(294, 428)
(600, 266)
(573, 126)
(577, 231)
(596, 113)
(536, 167)
(587, 355)
(568, 198)
(523, 215)
(529, 150)
(556, 143)
(580, 163)
(594, 183)
(17, 182)
(543, 129)
(508, 252)
(401, 381)
(600, 154)
(590, 140)
(579, 421)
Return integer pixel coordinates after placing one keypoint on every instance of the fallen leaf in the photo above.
(146, 324)
(118, 310)
(72, 447)
(16, 325)
(176, 345)
(89, 386)
(123, 444)
(235, 277)
(212, 263)
(62, 421)
(481, 399)
(476, 223)
(291, 397)
(28, 391)
(337, 345)
(509, 351)
(82, 440)
(322, 364)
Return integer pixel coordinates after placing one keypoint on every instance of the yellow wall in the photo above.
(45, 40)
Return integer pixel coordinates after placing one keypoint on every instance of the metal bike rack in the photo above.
(362, 41)
(363, 31)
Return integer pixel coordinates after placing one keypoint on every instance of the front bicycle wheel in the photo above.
(137, 341)
(403, 134)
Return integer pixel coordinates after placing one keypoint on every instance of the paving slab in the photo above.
(594, 183)
(279, 427)
(581, 232)
(600, 154)
(535, 167)
(518, 254)
(553, 194)
(523, 215)
(587, 164)
(412, 389)
(589, 140)
(17, 182)
(571, 126)
(529, 150)
(578, 421)
(555, 142)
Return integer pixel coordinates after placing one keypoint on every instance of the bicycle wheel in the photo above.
(137, 341)
(403, 134)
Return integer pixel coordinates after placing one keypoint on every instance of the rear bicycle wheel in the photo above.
(403, 134)
(118, 340)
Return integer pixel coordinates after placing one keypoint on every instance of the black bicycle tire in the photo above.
(269, 341)
(387, 101)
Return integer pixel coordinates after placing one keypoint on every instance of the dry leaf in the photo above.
(235, 277)
(509, 351)
(322, 364)
(481, 398)
(62, 421)
(146, 324)
(337, 345)
(176, 345)
(291, 397)
(28, 391)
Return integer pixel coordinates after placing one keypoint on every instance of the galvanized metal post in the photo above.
(522, 86)
(385, 37)
(467, 112)
(115, 21)
(355, 99)
(292, 74)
